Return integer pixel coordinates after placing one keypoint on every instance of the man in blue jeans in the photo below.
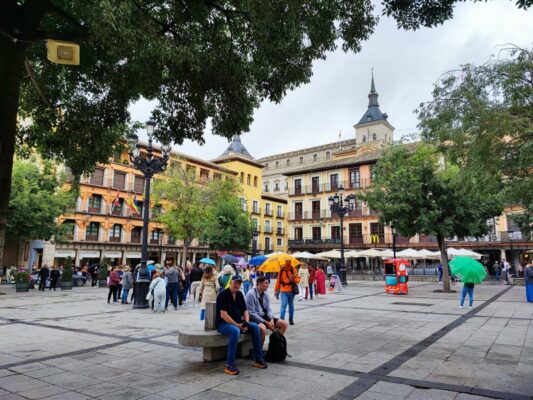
(232, 320)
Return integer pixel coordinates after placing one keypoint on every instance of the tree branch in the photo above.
(31, 74)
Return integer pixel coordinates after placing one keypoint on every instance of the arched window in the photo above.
(91, 232)
(255, 181)
(136, 234)
(364, 138)
(374, 136)
(315, 157)
(301, 160)
(248, 179)
(288, 163)
(156, 236)
(242, 177)
(67, 229)
(277, 164)
(115, 233)
(328, 155)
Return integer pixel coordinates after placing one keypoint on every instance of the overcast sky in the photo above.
(406, 66)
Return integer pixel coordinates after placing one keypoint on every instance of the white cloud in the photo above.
(406, 65)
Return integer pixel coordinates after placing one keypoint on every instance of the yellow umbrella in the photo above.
(274, 263)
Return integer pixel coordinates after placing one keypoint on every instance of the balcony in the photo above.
(296, 191)
(256, 229)
(280, 231)
(94, 210)
(91, 238)
(359, 184)
(314, 189)
(114, 239)
(333, 186)
(268, 212)
(280, 214)
(268, 229)
(256, 210)
(135, 239)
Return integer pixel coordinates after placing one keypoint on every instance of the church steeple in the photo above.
(373, 113)
(373, 95)
(237, 148)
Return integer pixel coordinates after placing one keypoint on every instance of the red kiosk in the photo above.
(396, 276)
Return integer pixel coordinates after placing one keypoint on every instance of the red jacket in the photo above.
(114, 279)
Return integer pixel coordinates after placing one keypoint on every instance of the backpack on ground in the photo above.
(277, 348)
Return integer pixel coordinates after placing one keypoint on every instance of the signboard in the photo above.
(112, 254)
(65, 253)
(132, 254)
(335, 284)
(374, 238)
(90, 254)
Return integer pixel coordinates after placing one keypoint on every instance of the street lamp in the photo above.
(341, 206)
(149, 166)
(510, 234)
(393, 233)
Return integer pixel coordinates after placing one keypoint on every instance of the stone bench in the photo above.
(214, 344)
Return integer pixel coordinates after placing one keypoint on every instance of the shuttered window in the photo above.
(97, 178)
(119, 180)
(139, 184)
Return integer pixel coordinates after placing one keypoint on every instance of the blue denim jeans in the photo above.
(172, 291)
(287, 299)
(125, 295)
(246, 285)
(233, 333)
(311, 290)
(497, 276)
(470, 292)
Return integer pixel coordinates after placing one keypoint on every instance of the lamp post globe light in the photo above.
(149, 166)
(341, 206)
(393, 233)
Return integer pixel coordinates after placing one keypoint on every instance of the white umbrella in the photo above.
(469, 253)
(431, 255)
(352, 254)
(330, 254)
(409, 253)
(306, 254)
(371, 253)
(386, 253)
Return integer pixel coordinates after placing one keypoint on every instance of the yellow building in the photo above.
(268, 213)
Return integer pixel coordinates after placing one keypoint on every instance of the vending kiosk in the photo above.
(396, 276)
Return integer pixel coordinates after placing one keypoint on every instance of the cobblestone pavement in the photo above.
(360, 343)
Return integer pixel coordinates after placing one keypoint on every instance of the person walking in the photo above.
(320, 282)
(44, 274)
(304, 282)
(246, 280)
(173, 280)
(54, 277)
(467, 288)
(497, 270)
(127, 283)
(114, 280)
(439, 268)
(506, 271)
(158, 291)
(312, 279)
(232, 319)
(288, 279)
(208, 289)
(120, 272)
(528, 281)
(195, 278)
(253, 275)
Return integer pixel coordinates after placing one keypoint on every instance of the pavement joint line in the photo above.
(410, 353)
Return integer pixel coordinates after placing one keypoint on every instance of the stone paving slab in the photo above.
(73, 345)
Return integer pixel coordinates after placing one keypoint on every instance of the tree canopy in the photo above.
(421, 193)
(37, 199)
(481, 118)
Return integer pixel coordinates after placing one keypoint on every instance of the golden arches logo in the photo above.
(374, 238)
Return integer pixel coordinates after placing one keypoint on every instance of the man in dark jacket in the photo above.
(54, 276)
(195, 277)
(173, 280)
(43, 274)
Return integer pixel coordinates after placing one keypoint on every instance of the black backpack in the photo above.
(277, 348)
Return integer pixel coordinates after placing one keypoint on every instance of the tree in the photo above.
(481, 117)
(422, 194)
(213, 59)
(228, 227)
(37, 199)
(185, 212)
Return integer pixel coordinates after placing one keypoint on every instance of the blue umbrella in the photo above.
(230, 259)
(208, 261)
(257, 260)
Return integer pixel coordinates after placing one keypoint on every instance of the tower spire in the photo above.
(373, 95)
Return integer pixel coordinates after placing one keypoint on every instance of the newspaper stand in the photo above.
(396, 276)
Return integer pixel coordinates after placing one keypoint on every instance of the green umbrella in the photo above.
(468, 269)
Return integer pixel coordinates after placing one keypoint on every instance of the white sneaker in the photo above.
(470, 307)
(461, 307)
(299, 299)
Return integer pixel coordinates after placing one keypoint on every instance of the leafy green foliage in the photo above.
(103, 273)
(67, 271)
(37, 199)
(481, 118)
(422, 194)
(22, 277)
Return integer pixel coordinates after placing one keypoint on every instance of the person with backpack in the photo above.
(258, 305)
(287, 287)
(224, 278)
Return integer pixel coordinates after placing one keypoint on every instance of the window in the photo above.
(136, 234)
(91, 233)
(138, 185)
(315, 209)
(170, 239)
(191, 170)
(317, 233)
(268, 209)
(298, 210)
(301, 160)
(204, 175)
(276, 187)
(255, 207)
(255, 225)
(298, 233)
(336, 232)
(157, 210)
(266, 187)
(267, 244)
(377, 232)
(288, 163)
(315, 157)
(115, 233)
(279, 212)
(355, 232)
(97, 177)
(279, 242)
(95, 203)
(255, 181)
(315, 184)
(242, 177)
(268, 226)
(266, 166)
(372, 173)
(244, 205)
(249, 179)
(334, 181)
(355, 178)
(156, 236)
(328, 155)
(119, 180)
(117, 206)
(279, 228)
(140, 206)
(277, 164)
(67, 229)
(374, 136)
(297, 186)
(217, 176)
(364, 138)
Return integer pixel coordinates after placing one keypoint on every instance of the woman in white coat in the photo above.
(304, 281)
(158, 289)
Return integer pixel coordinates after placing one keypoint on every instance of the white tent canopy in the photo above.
(430, 255)
(306, 254)
(352, 254)
(373, 253)
(410, 254)
(330, 254)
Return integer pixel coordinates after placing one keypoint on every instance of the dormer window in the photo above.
(374, 136)
(364, 138)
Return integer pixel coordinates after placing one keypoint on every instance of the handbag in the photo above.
(294, 288)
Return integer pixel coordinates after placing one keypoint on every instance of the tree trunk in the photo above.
(186, 244)
(444, 262)
(11, 69)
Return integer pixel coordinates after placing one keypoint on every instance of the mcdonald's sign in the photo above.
(374, 238)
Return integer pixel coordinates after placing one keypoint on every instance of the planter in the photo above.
(102, 283)
(22, 287)
(66, 285)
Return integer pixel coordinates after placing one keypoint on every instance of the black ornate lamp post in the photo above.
(393, 233)
(510, 234)
(149, 166)
(342, 206)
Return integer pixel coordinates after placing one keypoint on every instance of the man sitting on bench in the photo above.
(258, 305)
(233, 319)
